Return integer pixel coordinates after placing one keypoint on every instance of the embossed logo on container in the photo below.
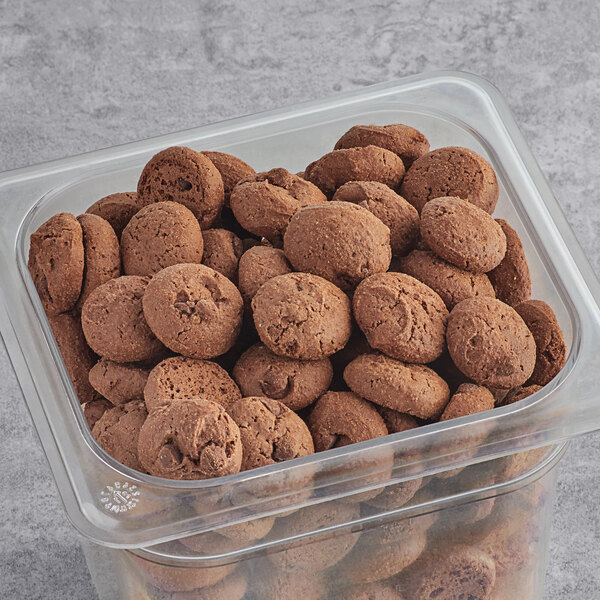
(119, 497)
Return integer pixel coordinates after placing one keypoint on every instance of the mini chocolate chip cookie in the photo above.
(519, 393)
(231, 168)
(257, 265)
(119, 382)
(468, 399)
(397, 422)
(222, 251)
(117, 209)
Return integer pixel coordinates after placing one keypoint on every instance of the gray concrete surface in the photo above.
(79, 76)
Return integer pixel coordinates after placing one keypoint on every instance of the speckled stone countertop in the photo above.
(80, 76)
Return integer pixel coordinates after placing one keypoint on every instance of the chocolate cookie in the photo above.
(257, 265)
(232, 587)
(302, 316)
(93, 410)
(160, 235)
(117, 432)
(114, 324)
(551, 350)
(117, 209)
(190, 439)
(270, 432)
(391, 209)
(231, 168)
(463, 234)
(76, 354)
(519, 393)
(490, 343)
(118, 382)
(295, 383)
(451, 171)
(339, 241)
(265, 203)
(511, 278)
(408, 143)
(183, 175)
(370, 163)
(222, 251)
(401, 316)
(193, 310)
(451, 283)
(412, 389)
(181, 378)
(56, 260)
(468, 399)
(397, 422)
(101, 251)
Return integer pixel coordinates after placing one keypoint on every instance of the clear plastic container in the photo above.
(473, 488)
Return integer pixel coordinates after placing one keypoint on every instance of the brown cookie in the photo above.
(270, 432)
(232, 587)
(339, 241)
(391, 209)
(118, 382)
(468, 399)
(222, 251)
(180, 378)
(193, 310)
(117, 209)
(451, 171)
(93, 410)
(408, 143)
(190, 439)
(76, 354)
(412, 389)
(401, 316)
(295, 383)
(369, 163)
(302, 316)
(511, 278)
(265, 203)
(395, 421)
(451, 283)
(117, 432)
(463, 234)
(257, 265)
(179, 174)
(519, 393)
(231, 168)
(160, 235)
(551, 350)
(101, 251)
(114, 324)
(490, 343)
(56, 260)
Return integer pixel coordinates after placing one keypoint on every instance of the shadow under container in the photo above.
(413, 515)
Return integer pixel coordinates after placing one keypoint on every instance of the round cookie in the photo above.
(519, 393)
(265, 203)
(407, 388)
(511, 278)
(257, 265)
(190, 439)
(180, 174)
(117, 432)
(270, 432)
(160, 235)
(295, 383)
(369, 163)
(118, 382)
(342, 418)
(117, 209)
(232, 587)
(463, 234)
(180, 378)
(407, 142)
(391, 209)
(396, 422)
(401, 316)
(468, 399)
(339, 241)
(193, 310)
(452, 284)
(551, 351)
(56, 261)
(222, 251)
(114, 324)
(451, 171)
(76, 354)
(490, 343)
(93, 410)
(231, 168)
(101, 251)
(302, 316)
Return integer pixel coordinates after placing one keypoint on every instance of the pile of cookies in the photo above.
(220, 319)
